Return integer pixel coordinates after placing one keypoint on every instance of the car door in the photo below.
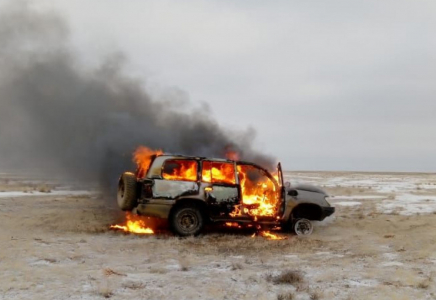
(261, 194)
(281, 204)
(221, 187)
(178, 178)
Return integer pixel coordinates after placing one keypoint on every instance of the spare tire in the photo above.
(127, 195)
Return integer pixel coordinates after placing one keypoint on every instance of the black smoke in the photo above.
(58, 116)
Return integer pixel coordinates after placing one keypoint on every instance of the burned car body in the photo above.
(191, 191)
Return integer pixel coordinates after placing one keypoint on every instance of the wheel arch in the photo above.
(190, 201)
(308, 211)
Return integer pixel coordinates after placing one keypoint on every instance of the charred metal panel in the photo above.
(146, 191)
(154, 210)
(224, 194)
(221, 199)
(172, 189)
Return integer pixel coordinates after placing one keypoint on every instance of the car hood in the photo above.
(309, 188)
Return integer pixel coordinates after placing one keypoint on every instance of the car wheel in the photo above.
(187, 220)
(303, 227)
(126, 196)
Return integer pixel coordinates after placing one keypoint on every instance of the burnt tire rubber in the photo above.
(127, 195)
(187, 220)
(302, 227)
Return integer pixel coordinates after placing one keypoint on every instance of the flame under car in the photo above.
(192, 191)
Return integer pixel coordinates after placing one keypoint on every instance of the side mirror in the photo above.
(293, 193)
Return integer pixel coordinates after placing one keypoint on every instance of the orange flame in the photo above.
(134, 224)
(233, 224)
(142, 157)
(232, 155)
(269, 236)
(272, 236)
(259, 194)
(180, 170)
(276, 176)
(218, 172)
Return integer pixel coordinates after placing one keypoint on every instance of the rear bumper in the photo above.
(326, 211)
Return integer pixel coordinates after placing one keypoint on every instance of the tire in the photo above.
(302, 227)
(187, 220)
(127, 196)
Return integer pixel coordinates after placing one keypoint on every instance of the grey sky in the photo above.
(327, 85)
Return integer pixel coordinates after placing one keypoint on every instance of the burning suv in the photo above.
(191, 191)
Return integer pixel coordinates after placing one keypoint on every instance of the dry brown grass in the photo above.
(185, 263)
(104, 290)
(109, 272)
(236, 266)
(291, 277)
(43, 188)
(158, 270)
(286, 296)
(315, 295)
(133, 285)
(27, 187)
(425, 283)
(244, 244)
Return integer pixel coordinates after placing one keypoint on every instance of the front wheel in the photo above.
(187, 220)
(303, 227)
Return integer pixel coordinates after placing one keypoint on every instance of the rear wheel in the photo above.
(126, 196)
(187, 220)
(303, 227)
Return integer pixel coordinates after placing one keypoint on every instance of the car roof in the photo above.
(181, 156)
(194, 157)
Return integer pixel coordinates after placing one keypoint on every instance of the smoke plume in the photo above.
(60, 117)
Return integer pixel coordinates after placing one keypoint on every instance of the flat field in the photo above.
(380, 244)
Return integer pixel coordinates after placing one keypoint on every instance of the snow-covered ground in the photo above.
(12, 194)
(380, 244)
(402, 193)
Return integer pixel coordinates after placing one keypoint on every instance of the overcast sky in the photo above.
(327, 85)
